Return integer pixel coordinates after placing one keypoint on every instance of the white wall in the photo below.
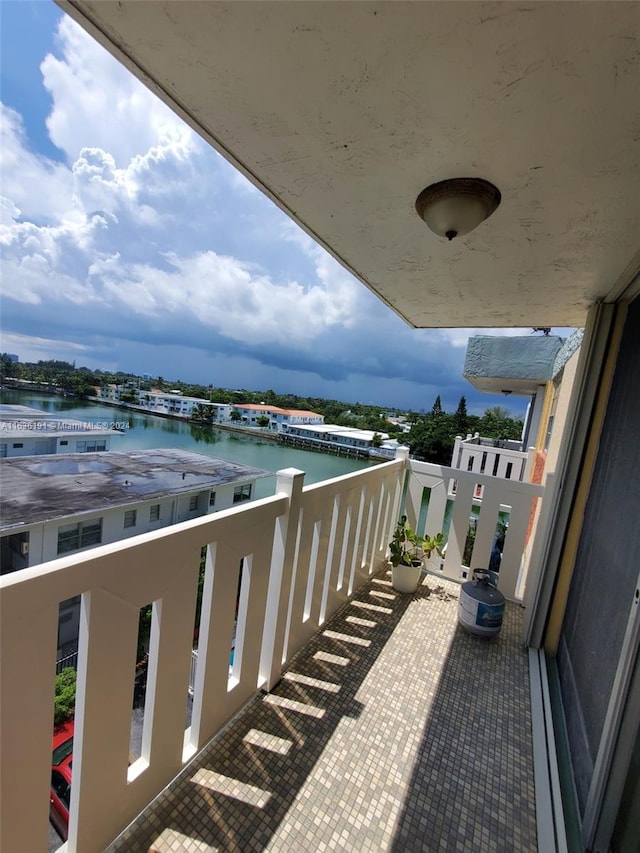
(40, 444)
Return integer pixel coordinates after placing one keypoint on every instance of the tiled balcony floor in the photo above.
(393, 730)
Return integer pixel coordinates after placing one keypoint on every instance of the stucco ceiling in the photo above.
(344, 111)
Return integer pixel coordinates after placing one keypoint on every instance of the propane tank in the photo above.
(481, 606)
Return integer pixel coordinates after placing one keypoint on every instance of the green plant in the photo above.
(407, 548)
(65, 697)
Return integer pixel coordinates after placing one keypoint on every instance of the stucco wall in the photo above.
(521, 357)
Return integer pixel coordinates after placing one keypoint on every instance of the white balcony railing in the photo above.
(432, 504)
(299, 555)
(499, 459)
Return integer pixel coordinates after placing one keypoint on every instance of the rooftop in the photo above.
(392, 730)
(42, 488)
(343, 431)
(26, 422)
(11, 410)
(262, 407)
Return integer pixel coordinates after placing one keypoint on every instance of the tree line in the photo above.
(431, 437)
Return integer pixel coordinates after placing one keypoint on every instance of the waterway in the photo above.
(146, 431)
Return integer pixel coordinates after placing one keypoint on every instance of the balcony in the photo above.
(363, 711)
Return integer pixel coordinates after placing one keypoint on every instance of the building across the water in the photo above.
(178, 405)
(339, 438)
(25, 431)
(280, 419)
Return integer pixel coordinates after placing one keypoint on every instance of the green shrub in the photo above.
(65, 698)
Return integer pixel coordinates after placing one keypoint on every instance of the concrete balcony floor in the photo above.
(392, 730)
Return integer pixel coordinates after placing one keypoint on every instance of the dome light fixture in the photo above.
(454, 207)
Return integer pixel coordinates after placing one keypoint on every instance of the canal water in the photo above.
(145, 431)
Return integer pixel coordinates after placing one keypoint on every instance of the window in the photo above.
(242, 493)
(63, 443)
(90, 446)
(18, 444)
(72, 537)
(212, 499)
(193, 503)
(130, 517)
(61, 787)
(154, 512)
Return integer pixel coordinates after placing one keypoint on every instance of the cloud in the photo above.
(36, 186)
(97, 103)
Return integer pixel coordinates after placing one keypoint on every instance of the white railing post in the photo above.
(106, 666)
(28, 643)
(289, 482)
(456, 456)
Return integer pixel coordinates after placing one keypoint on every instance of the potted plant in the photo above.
(407, 552)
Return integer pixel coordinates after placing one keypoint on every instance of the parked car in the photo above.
(61, 763)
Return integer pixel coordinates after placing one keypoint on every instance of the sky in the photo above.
(130, 244)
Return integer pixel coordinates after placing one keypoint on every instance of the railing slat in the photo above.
(216, 626)
(106, 667)
(511, 563)
(168, 671)
(437, 508)
(27, 675)
(486, 527)
(290, 482)
(459, 528)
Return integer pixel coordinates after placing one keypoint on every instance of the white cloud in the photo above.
(33, 348)
(33, 184)
(97, 103)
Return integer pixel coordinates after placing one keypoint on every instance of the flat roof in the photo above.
(13, 410)
(26, 422)
(278, 410)
(42, 488)
(344, 432)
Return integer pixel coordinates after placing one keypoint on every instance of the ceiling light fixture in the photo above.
(455, 207)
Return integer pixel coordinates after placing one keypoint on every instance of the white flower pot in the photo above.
(406, 578)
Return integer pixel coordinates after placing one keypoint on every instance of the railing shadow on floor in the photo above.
(236, 792)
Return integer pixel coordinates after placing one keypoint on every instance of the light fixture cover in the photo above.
(455, 207)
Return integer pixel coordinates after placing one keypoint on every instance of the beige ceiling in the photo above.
(342, 112)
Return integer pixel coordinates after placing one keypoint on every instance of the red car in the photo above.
(60, 796)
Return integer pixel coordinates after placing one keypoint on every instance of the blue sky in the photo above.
(129, 244)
